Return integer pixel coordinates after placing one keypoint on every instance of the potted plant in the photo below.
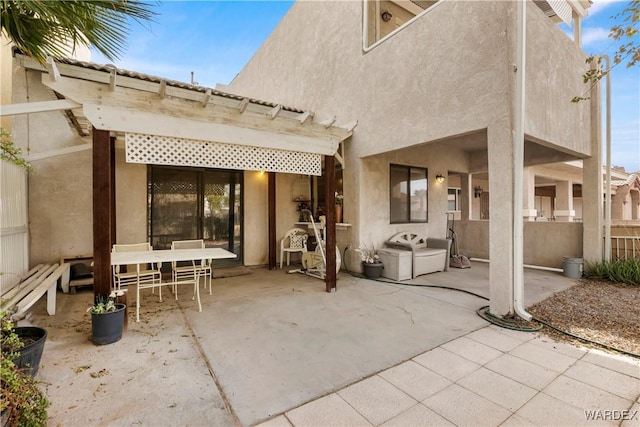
(21, 402)
(24, 343)
(107, 320)
(371, 264)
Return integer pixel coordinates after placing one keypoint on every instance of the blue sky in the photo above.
(215, 39)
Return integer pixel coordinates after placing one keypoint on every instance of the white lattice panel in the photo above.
(161, 150)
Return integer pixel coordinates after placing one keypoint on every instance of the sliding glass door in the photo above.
(190, 203)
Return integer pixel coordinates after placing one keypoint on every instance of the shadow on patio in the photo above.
(264, 343)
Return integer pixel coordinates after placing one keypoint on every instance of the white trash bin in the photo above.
(572, 267)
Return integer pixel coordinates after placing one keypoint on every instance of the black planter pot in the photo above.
(106, 328)
(372, 271)
(31, 353)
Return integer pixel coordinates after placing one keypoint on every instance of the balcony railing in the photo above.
(625, 247)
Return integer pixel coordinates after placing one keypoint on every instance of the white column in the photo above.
(635, 205)
(529, 212)
(592, 189)
(564, 202)
(500, 150)
(577, 29)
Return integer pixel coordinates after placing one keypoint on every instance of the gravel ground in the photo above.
(605, 312)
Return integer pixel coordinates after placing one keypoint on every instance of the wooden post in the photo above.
(330, 212)
(271, 183)
(102, 210)
(112, 152)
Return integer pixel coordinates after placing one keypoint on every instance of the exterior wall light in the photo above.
(439, 179)
(386, 16)
(477, 191)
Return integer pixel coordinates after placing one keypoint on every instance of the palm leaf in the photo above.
(42, 28)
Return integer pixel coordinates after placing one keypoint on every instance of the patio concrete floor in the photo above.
(276, 348)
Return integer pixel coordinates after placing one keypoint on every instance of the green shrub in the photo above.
(21, 402)
(619, 271)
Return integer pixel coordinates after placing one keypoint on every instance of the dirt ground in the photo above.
(606, 312)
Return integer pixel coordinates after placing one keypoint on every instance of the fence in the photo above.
(14, 236)
(625, 247)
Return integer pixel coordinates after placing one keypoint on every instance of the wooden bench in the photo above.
(43, 278)
(68, 283)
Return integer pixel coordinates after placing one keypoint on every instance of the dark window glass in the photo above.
(407, 194)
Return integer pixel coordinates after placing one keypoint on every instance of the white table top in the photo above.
(168, 255)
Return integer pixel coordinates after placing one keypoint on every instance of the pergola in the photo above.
(214, 129)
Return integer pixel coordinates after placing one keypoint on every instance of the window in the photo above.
(453, 199)
(407, 194)
(383, 17)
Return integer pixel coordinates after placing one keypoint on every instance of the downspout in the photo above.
(518, 163)
(607, 202)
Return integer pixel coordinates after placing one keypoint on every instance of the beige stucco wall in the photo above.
(60, 189)
(131, 199)
(553, 77)
(567, 241)
(256, 218)
(448, 73)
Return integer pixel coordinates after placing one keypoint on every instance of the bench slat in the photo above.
(32, 275)
(48, 285)
(22, 280)
(31, 286)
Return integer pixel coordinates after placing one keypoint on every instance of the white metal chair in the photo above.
(187, 272)
(294, 240)
(149, 276)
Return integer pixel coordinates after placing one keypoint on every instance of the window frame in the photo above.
(456, 195)
(366, 47)
(409, 213)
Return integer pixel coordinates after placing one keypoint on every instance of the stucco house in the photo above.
(433, 86)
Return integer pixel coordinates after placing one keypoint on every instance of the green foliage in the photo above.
(103, 306)
(11, 153)
(21, 401)
(42, 28)
(629, 51)
(627, 33)
(619, 271)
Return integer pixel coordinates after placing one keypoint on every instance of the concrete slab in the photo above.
(463, 407)
(376, 399)
(578, 393)
(504, 391)
(269, 342)
(299, 342)
(330, 410)
(415, 380)
(523, 371)
(418, 415)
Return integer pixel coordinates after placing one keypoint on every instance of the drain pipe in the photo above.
(531, 266)
(607, 202)
(518, 162)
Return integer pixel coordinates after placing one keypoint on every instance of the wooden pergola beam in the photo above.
(103, 207)
(330, 211)
(272, 219)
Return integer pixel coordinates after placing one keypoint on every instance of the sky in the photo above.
(215, 39)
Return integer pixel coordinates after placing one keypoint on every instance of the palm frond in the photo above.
(42, 28)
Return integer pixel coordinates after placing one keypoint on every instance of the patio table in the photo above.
(168, 255)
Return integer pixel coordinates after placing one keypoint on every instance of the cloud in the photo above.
(600, 5)
(594, 35)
